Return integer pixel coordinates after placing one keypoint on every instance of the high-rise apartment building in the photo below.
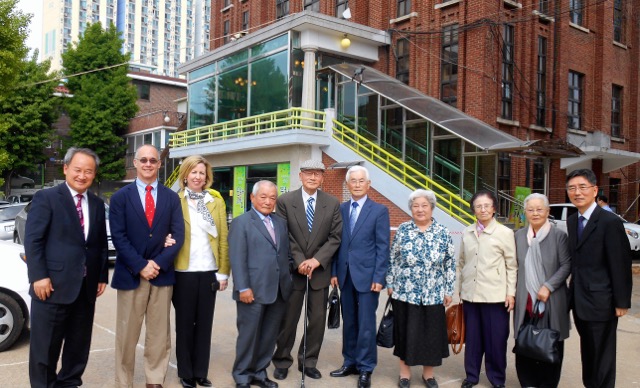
(159, 34)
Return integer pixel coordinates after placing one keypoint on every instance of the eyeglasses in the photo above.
(145, 160)
(486, 206)
(312, 173)
(581, 188)
(359, 182)
(534, 211)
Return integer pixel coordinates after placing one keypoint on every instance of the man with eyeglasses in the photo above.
(141, 215)
(600, 286)
(315, 228)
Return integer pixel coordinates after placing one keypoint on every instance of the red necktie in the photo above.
(79, 210)
(149, 205)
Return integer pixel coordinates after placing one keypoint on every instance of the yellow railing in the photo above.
(407, 175)
(293, 118)
(173, 177)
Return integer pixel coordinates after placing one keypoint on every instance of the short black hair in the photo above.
(585, 173)
(486, 193)
(603, 198)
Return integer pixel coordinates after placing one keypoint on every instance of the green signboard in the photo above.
(239, 190)
(517, 212)
(284, 177)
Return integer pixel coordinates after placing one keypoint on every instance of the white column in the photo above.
(309, 78)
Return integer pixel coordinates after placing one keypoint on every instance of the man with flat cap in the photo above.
(315, 226)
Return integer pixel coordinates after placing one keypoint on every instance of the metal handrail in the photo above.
(173, 177)
(401, 171)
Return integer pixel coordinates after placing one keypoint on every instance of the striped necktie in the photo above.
(310, 213)
(353, 216)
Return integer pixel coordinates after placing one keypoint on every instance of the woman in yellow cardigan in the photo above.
(202, 268)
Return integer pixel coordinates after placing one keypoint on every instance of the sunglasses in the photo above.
(145, 160)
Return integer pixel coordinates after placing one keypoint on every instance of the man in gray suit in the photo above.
(315, 227)
(259, 255)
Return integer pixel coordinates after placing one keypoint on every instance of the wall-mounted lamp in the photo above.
(345, 42)
(166, 117)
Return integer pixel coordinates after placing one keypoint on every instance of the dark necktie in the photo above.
(353, 216)
(149, 205)
(310, 213)
(580, 226)
(79, 210)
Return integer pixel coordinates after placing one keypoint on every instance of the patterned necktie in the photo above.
(310, 213)
(272, 233)
(580, 226)
(79, 210)
(353, 216)
(149, 205)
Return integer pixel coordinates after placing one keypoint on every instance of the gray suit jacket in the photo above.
(321, 243)
(256, 262)
(556, 262)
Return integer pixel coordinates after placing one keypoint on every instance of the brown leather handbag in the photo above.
(455, 327)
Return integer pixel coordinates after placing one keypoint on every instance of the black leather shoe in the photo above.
(404, 383)
(188, 383)
(204, 382)
(311, 372)
(266, 383)
(430, 383)
(364, 381)
(467, 384)
(345, 371)
(499, 386)
(280, 373)
(243, 386)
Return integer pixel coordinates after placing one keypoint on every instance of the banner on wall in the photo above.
(517, 212)
(283, 177)
(239, 190)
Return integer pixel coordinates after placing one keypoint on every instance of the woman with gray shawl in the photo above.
(543, 267)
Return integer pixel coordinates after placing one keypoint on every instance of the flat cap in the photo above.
(312, 165)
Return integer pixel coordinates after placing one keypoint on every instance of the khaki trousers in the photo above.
(151, 304)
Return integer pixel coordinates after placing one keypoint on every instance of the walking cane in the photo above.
(304, 335)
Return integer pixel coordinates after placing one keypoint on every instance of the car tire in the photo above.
(27, 186)
(11, 321)
(16, 238)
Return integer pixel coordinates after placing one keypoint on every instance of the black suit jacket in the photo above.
(600, 266)
(322, 242)
(56, 248)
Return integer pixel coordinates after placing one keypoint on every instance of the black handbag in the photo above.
(385, 330)
(538, 343)
(333, 319)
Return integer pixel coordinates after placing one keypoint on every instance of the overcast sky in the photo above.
(35, 27)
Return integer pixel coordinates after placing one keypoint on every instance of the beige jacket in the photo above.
(487, 264)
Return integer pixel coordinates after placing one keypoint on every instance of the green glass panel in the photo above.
(269, 84)
(233, 60)
(232, 94)
(202, 102)
(270, 45)
(203, 71)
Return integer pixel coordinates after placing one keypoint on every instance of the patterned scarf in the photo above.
(202, 210)
(534, 271)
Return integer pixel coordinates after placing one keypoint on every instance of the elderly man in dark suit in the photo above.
(359, 270)
(66, 243)
(142, 214)
(259, 255)
(600, 286)
(315, 226)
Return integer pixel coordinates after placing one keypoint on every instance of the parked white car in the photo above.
(15, 302)
(560, 212)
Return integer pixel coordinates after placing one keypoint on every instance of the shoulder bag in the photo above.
(385, 330)
(537, 343)
(455, 327)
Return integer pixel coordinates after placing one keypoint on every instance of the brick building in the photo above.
(556, 79)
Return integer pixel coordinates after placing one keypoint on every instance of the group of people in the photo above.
(286, 252)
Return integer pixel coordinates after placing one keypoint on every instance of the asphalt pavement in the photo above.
(100, 371)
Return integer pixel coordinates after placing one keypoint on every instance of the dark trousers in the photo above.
(194, 300)
(359, 347)
(598, 351)
(317, 305)
(534, 373)
(51, 325)
(258, 327)
(487, 331)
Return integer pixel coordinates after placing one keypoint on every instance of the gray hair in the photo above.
(421, 193)
(543, 197)
(357, 168)
(71, 152)
(258, 184)
(147, 145)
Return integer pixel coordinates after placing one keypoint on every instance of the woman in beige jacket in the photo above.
(488, 274)
(202, 268)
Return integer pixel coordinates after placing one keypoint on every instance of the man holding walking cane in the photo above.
(315, 225)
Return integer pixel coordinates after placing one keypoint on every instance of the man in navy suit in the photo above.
(142, 214)
(601, 281)
(359, 270)
(66, 243)
(259, 255)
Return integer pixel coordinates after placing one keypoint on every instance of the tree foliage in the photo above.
(104, 101)
(28, 113)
